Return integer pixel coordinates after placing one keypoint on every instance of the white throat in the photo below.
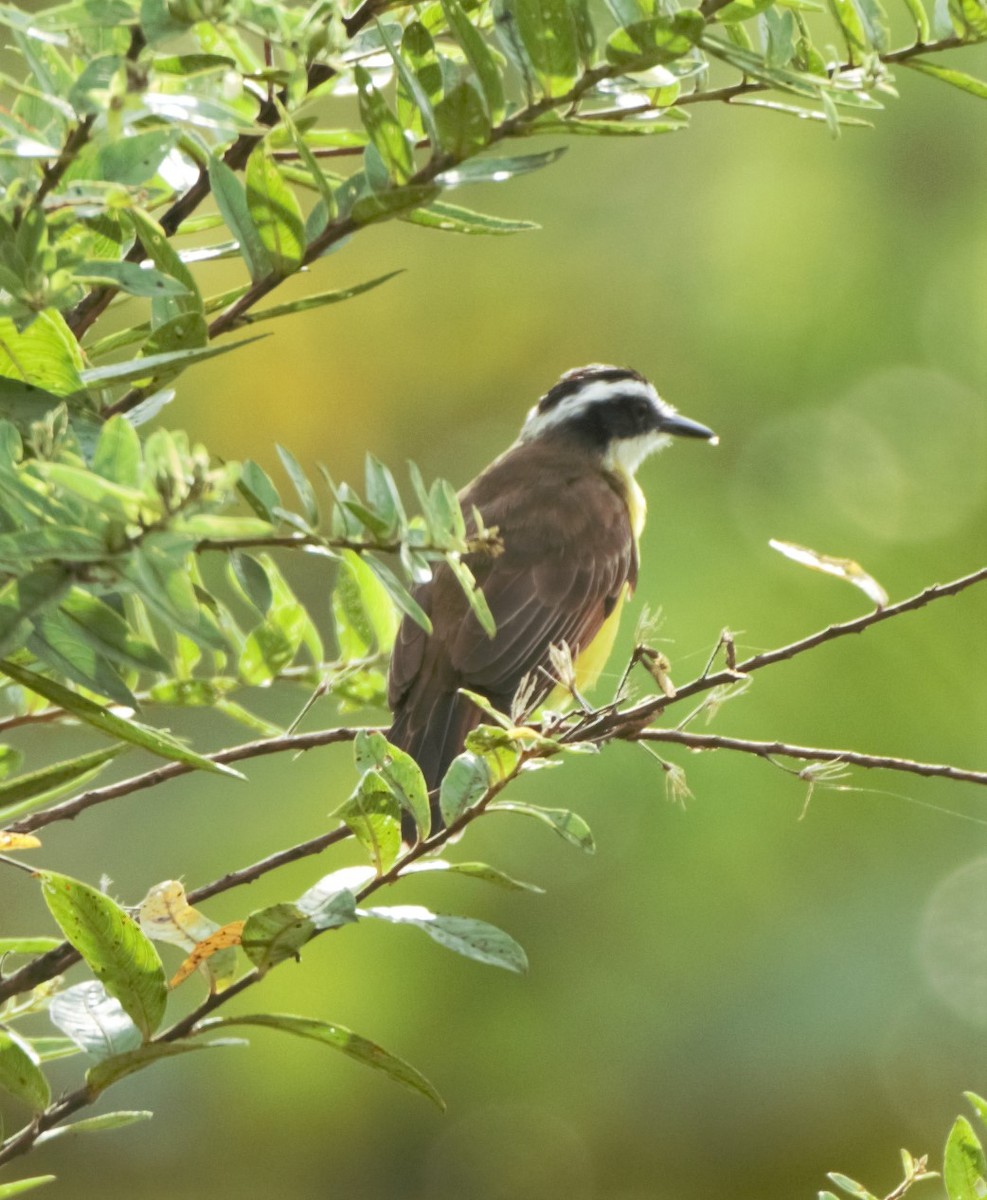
(625, 455)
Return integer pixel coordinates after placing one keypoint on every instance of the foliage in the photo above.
(138, 572)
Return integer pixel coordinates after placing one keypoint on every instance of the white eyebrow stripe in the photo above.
(593, 392)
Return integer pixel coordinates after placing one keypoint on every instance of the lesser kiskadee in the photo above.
(569, 512)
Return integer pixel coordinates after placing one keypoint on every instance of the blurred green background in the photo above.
(733, 996)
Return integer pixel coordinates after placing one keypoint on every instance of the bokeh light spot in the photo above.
(953, 942)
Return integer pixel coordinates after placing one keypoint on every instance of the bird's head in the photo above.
(613, 411)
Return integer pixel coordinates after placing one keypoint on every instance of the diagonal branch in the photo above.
(880, 762)
(69, 809)
(624, 723)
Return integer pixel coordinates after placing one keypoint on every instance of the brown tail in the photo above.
(433, 738)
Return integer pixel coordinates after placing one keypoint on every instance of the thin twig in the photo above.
(880, 762)
(69, 809)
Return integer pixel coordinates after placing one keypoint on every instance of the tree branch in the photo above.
(881, 762)
(622, 723)
(69, 809)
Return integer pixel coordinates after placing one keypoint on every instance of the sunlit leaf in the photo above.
(105, 1121)
(94, 1020)
(964, 1169)
(473, 870)
(842, 568)
(474, 939)
(496, 170)
(275, 211)
(165, 915)
(567, 824)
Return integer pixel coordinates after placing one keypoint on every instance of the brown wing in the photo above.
(568, 553)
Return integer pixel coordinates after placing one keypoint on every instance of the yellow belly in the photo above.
(591, 662)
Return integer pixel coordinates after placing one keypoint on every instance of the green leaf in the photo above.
(452, 218)
(24, 599)
(28, 945)
(19, 1186)
(253, 580)
(118, 453)
(979, 1105)
(496, 170)
(875, 22)
(310, 162)
(20, 1074)
(231, 199)
(111, 1070)
(329, 904)
(167, 260)
(473, 939)
(381, 206)
(958, 79)
(259, 492)
(113, 1120)
(400, 773)
(587, 127)
(479, 57)
(548, 33)
(338, 1038)
(387, 134)
(398, 592)
(107, 632)
(412, 84)
(276, 212)
(24, 792)
(363, 612)
(964, 1166)
(920, 17)
(848, 18)
(45, 354)
(850, 1186)
(275, 933)
(129, 277)
(317, 300)
(374, 816)
(120, 956)
(476, 598)
(567, 824)
(154, 364)
(56, 644)
(658, 40)
(109, 723)
(464, 784)
(463, 124)
(300, 482)
(473, 870)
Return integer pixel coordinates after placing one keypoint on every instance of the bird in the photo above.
(569, 513)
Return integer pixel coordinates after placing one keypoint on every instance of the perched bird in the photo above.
(570, 513)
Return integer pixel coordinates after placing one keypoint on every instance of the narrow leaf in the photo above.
(109, 723)
(110, 1070)
(567, 824)
(496, 170)
(113, 1120)
(338, 1038)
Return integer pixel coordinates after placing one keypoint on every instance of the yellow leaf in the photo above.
(18, 841)
(224, 938)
